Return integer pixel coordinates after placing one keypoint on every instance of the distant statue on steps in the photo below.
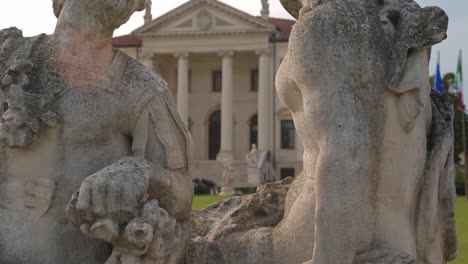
(259, 168)
(227, 171)
(265, 9)
(148, 14)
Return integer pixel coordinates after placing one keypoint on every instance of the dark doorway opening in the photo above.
(287, 172)
(214, 135)
(253, 131)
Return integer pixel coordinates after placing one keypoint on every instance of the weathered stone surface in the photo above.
(91, 130)
(378, 179)
(223, 233)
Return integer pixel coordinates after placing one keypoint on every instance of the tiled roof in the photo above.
(284, 27)
(126, 41)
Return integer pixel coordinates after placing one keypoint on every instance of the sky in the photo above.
(36, 16)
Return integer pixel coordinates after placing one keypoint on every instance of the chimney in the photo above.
(148, 15)
(265, 9)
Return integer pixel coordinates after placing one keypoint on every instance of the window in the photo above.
(253, 131)
(254, 80)
(287, 172)
(217, 80)
(288, 134)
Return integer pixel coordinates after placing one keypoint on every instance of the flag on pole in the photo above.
(438, 85)
(462, 97)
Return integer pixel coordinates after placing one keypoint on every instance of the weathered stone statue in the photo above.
(265, 12)
(92, 138)
(378, 179)
(252, 165)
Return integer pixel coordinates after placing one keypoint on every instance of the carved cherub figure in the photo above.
(87, 128)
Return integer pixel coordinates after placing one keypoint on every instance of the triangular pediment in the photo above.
(204, 16)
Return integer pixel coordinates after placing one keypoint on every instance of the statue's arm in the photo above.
(174, 192)
(149, 194)
(157, 137)
(158, 170)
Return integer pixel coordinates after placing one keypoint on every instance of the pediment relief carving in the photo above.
(204, 16)
(186, 24)
(222, 23)
(204, 21)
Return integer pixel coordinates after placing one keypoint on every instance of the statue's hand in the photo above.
(112, 193)
(161, 180)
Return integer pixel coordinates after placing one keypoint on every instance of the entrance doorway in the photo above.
(253, 131)
(214, 135)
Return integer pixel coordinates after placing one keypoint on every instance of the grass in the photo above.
(462, 230)
(203, 201)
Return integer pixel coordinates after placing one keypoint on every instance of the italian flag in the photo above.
(462, 98)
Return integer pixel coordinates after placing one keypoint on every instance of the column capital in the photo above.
(226, 53)
(263, 52)
(181, 54)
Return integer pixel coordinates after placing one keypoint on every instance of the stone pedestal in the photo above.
(227, 191)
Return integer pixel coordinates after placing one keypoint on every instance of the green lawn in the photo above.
(462, 230)
(203, 201)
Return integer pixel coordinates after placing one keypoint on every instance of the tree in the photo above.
(448, 82)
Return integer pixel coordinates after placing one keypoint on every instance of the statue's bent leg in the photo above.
(343, 213)
(297, 226)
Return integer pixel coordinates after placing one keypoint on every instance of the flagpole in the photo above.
(466, 154)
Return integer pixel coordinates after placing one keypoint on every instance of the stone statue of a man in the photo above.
(265, 12)
(87, 129)
(378, 179)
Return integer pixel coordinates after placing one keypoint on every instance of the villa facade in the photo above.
(220, 63)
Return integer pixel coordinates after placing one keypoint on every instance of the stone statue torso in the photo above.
(37, 181)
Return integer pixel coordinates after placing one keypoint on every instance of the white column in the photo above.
(183, 87)
(148, 60)
(227, 115)
(264, 100)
